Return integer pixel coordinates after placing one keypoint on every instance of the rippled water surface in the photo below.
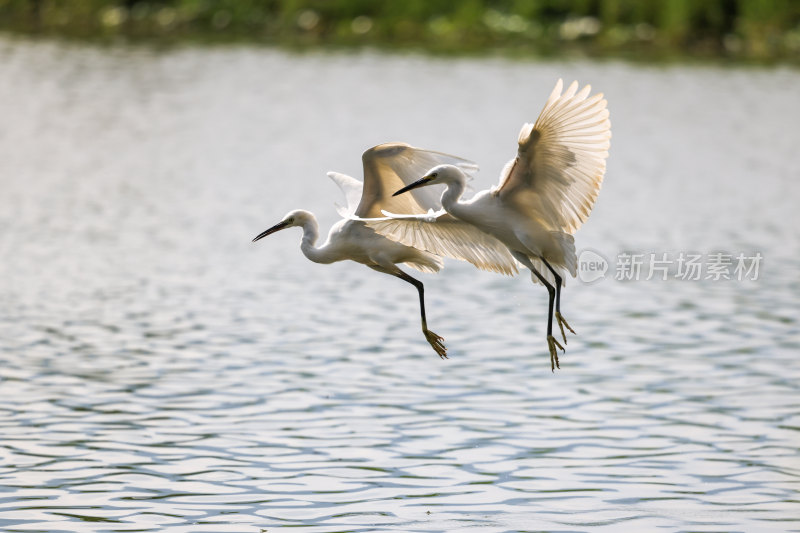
(159, 372)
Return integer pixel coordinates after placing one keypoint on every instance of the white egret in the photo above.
(545, 193)
(387, 167)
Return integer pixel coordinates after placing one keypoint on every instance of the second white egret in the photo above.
(545, 193)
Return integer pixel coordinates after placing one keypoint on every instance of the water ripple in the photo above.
(160, 373)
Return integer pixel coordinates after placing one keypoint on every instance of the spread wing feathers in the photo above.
(351, 188)
(561, 160)
(390, 167)
(445, 235)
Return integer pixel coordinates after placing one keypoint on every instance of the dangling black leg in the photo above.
(559, 318)
(551, 341)
(436, 342)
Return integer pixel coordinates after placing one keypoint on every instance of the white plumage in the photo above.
(561, 160)
(387, 167)
(544, 195)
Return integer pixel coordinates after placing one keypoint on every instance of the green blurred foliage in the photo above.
(741, 29)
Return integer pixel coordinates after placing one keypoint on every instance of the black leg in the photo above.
(559, 282)
(551, 341)
(561, 320)
(421, 290)
(552, 293)
(436, 342)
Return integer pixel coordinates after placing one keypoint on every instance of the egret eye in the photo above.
(435, 174)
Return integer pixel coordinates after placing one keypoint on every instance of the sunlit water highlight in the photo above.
(158, 372)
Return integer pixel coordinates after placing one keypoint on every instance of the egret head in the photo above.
(439, 174)
(298, 217)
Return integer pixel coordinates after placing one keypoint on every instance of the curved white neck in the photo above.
(310, 236)
(452, 195)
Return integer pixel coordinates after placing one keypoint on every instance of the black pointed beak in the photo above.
(277, 227)
(419, 183)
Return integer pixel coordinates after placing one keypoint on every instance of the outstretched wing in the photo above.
(561, 160)
(351, 188)
(390, 167)
(444, 235)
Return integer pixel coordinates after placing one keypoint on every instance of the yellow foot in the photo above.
(561, 323)
(436, 342)
(551, 344)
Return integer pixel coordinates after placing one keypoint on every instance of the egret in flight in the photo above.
(387, 167)
(545, 193)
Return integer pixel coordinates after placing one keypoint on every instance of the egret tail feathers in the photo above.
(566, 244)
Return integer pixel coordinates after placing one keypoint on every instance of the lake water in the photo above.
(159, 372)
